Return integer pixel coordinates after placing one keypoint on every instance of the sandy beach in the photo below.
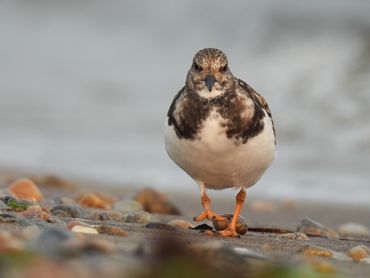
(79, 231)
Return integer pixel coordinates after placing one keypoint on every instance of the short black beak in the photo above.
(210, 81)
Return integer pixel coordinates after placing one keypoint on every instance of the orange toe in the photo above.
(229, 232)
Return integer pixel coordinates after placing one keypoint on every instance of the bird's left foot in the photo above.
(229, 232)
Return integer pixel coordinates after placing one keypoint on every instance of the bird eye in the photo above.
(224, 68)
(197, 67)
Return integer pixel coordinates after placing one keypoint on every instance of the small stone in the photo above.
(107, 215)
(94, 200)
(84, 229)
(263, 206)
(160, 226)
(16, 205)
(293, 236)
(112, 230)
(99, 245)
(311, 227)
(312, 250)
(353, 229)
(316, 251)
(155, 202)
(25, 189)
(72, 211)
(139, 217)
(241, 225)
(178, 223)
(359, 252)
(35, 211)
(321, 266)
(127, 206)
(3, 206)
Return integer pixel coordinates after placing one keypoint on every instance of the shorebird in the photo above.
(220, 131)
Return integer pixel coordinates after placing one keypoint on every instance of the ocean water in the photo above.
(85, 86)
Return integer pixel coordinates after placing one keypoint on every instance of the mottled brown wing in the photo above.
(257, 98)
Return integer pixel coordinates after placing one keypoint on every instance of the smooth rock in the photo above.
(14, 204)
(84, 229)
(139, 217)
(155, 202)
(353, 229)
(96, 200)
(241, 225)
(25, 189)
(359, 252)
(178, 223)
(35, 211)
(107, 215)
(127, 206)
(311, 227)
(293, 236)
(160, 226)
(316, 251)
(65, 201)
(73, 211)
(112, 230)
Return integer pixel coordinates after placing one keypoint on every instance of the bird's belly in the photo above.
(220, 162)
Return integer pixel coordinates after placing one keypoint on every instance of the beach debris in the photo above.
(26, 189)
(359, 252)
(182, 224)
(241, 225)
(311, 250)
(155, 202)
(124, 206)
(96, 200)
(35, 211)
(139, 217)
(16, 205)
(160, 226)
(293, 236)
(72, 211)
(111, 230)
(263, 206)
(314, 228)
(353, 229)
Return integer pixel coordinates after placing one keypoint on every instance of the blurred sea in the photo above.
(85, 86)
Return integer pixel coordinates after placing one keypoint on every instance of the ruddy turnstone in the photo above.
(219, 131)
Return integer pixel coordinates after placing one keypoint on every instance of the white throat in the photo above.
(209, 94)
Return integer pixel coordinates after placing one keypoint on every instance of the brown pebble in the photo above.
(359, 252)
(241, 225)
(25, 189)
(312, 250)
(94, 200)
(178, 223)
(112, 230)
(36, 211)
(155, 202)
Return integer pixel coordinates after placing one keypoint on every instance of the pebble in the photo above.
(182, 224)
(25, 189)
(65, 201)
(353, 229)
(107, 215)
(139, 217)
(112, 230)
(293, 236)
(155, 202)
(84, 229)
(14, 204)
(94, 200)
(35, 211)
(241, 225)
(263, 206)
(311, 227)
(160, 226)
(359, 252)
(73, 211)
(316, 251)
(3, 205)
(127, 206)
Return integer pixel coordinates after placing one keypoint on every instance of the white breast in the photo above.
(217, 161)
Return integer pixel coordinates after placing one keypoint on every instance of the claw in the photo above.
(229, 232)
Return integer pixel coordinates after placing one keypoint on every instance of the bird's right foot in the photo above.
(210, 215)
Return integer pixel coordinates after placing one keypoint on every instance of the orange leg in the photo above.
(231, 231)
(207, 213)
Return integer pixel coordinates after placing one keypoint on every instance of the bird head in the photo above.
(209, 74)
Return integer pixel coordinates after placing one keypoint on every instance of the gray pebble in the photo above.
(127, 206)
(139, 217)
(73, 211)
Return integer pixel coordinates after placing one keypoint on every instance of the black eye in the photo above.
(197, 67)
(223, 69)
